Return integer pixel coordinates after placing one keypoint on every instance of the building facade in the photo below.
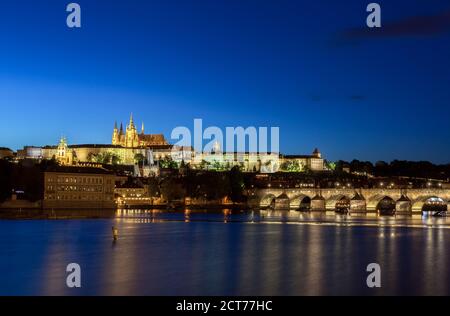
(313, 162)
(6, 152)
(78, 188)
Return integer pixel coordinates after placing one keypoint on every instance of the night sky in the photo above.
(310, 67)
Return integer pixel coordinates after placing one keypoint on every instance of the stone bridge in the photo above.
(398, 201)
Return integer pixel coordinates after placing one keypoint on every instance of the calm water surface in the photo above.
(261, 253)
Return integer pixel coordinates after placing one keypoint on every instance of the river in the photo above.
(226, 253)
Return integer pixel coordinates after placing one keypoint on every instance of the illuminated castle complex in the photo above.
(130, 147)
(132, 139)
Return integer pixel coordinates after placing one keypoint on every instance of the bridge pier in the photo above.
(403, 206)
(358, 204)
(282, 202)
(253, 202)
(318, 204)
(357, 208)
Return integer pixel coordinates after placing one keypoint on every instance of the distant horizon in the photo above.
(171, 142)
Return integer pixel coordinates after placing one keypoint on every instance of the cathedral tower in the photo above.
(115, 136)
(121, 136)
(131, 135)
(64, 155)
(132, 138)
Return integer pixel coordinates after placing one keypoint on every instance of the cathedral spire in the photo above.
(142, 128)
(121, 129)
(131, 120)
(115, 125)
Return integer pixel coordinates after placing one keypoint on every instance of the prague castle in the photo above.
(130, 147)
(132, 139)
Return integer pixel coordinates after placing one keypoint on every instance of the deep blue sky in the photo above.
(309, 67)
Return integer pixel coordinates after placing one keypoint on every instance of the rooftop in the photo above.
(95, 146)
(298, 156)
(77, 169)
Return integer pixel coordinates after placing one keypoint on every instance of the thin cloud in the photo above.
(352, 97)
(357, 97)
(414, 26)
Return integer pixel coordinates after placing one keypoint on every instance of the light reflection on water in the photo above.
(289, 217)
(226, 253)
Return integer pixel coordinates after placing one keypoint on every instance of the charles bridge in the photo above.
(398, 201)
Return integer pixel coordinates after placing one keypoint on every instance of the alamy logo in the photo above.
(74, 277)
(374, 18)
(74, 18)
(374, 278)
(235, 138)
(237, 141)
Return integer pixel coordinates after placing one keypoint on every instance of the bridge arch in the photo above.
(429, 204)
(337, 202)
(301, 202)
(372, 203)
(386, 206)
(382, 204)
(267, 200)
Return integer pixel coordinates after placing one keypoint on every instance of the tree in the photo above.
(115, 159)
(330, 165)
(139, 158)
(91, 157)
(172, 189)
(307, 169)
(168, 163)
(5, 179)
(381, 168)
(291, 166)
(340, 165)
(217, 165)
(204, 165)
(237, 185)
(44, 164)
(153, 186)
(212, 185)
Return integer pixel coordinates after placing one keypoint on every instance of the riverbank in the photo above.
(36, 214)
(34, 210)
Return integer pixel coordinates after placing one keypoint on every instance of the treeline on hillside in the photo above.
(24, 177)
(209, 185)
(396, 168)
